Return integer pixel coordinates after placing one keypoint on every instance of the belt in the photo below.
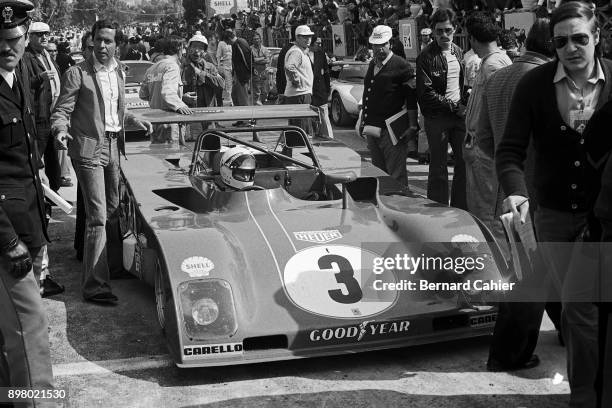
(111, 135)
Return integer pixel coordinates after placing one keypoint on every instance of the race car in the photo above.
(346, 91)
(263, 246)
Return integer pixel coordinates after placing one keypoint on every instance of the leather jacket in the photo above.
(431, 73)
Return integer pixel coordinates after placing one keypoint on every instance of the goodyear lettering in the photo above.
(212, 349)
(365, 329)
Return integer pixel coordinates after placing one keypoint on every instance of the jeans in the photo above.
(103, 250)
(226, 73)
(389, 158)
(259, 85)
(578, 319)
(442, 130)
(324, 128)
(24, 336)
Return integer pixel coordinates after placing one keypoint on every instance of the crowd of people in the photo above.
(527, 129)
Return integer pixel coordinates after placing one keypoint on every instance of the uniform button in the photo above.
(369, 89)
(14, 120)
(365, 115)
(563, 127)
(574, 206)
(577, 163)
(574, 186)
(2, 197)
(581, 141)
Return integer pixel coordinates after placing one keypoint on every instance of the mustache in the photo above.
(5, 54)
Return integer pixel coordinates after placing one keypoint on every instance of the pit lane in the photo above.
(116, 356)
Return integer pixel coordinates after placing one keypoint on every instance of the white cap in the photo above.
(426, 31)
(381, 34)
(303, 30)
(39, 27)
(197, 37)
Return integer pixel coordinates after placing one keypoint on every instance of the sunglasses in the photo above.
(578, 39)
(42, 34)
(447, 31)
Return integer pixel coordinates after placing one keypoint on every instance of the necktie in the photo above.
(16, 90)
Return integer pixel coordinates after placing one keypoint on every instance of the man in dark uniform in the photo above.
(388, 88)
(26, 360)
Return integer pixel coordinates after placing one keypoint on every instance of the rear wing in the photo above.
(227, 113)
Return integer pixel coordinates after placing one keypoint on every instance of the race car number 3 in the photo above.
(336, 281)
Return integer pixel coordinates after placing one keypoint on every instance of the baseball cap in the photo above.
(381, 34)
(14, 18)
(426, 31)
(39, 27)
(303, 30)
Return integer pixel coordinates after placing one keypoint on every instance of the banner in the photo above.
(339, 40)
(408, 37)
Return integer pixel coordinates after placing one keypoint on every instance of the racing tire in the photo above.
(162, 296)
(339, 115)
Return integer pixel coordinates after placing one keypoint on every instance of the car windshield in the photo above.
(136, 72)
(353, 72)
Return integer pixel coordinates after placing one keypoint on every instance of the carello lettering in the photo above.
(222, 4)
(212, 349)
(483, 320)
(359, 332)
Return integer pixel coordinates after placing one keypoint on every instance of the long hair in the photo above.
(538, 39)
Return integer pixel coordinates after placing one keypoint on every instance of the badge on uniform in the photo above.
(579, 118)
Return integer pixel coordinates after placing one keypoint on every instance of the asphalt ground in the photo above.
(117, 357)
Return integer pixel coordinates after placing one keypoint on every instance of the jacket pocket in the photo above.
(13, 201)
(11, 121)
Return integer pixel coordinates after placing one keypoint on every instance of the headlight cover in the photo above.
(207, 307)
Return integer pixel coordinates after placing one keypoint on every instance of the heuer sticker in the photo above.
(464, 238)
(212, 350)
(483, 320)
(197, 266)
(365, 331)
(318, 237)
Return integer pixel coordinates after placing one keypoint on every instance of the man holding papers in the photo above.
(387, 90)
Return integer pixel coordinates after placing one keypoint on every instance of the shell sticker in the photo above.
(196, 266)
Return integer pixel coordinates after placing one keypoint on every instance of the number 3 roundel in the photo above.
(337, 281)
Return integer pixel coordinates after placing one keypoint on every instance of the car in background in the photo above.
(135, 76)
(346, 91)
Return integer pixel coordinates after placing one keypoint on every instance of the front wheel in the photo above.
(339, 115)
(162, 295)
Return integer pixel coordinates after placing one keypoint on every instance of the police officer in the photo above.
(23, 325)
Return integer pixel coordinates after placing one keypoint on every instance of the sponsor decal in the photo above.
(212, 350)
(197, 266)
(318, 237)
(366, 331)
(483, 320)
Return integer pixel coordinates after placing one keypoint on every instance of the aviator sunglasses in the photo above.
(578, 39)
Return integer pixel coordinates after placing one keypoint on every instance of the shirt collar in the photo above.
(593, 79)
(8, 76)
(98, 66)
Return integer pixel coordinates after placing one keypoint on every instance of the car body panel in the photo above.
(259, 249)
(348, 84)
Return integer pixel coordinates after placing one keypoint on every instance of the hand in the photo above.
(410, 133)
(47, 75)
(144, 124)
(184, 110)
(20, 260)
(519, 205)
(61, 140)
(461, 108)
(43, 177)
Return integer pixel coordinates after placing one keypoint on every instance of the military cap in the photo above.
(14, 19)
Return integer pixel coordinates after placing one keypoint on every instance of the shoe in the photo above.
(49, 287)
(495, 366)
(66, 182)
(103, 298)
(122, 275)
(258, 103)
